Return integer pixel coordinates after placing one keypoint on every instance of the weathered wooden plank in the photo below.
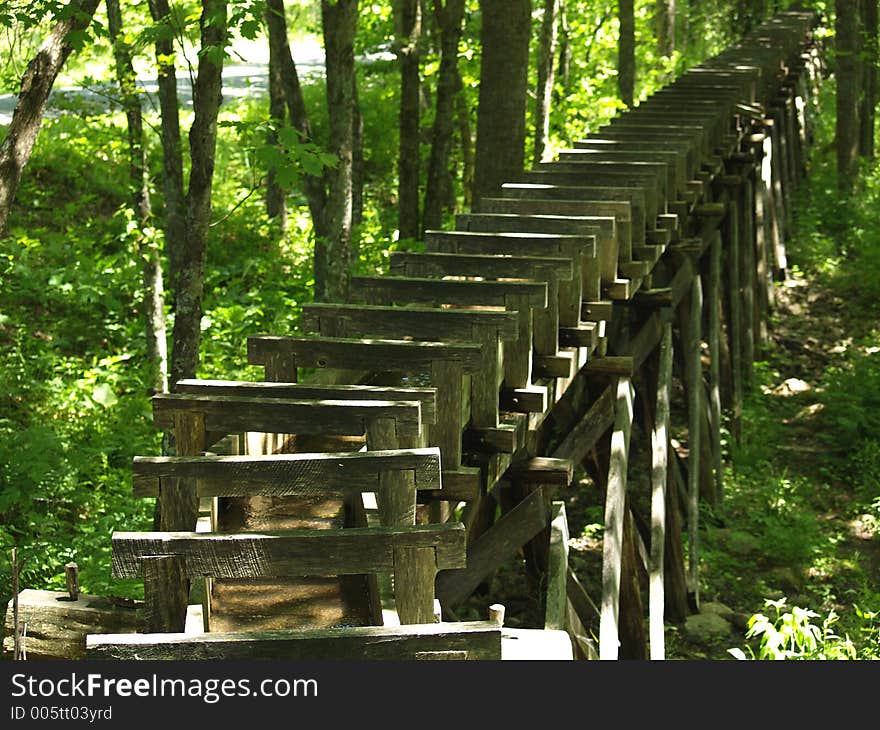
(406, 290)
(659, 462)
(713, 302)
(473, 639)
(374, 354)
(347, 551)
(495, 266)
(676, 169)
(280, 415)
(581, 439)
(541, 471)
(499, 543)
(415, 570)
(57, 626)
(556, 596)
(165, 593)
(615, 506)
(427, 397)
(340, 474)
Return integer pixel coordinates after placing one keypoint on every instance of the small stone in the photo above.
(719, 609)
(706, 627)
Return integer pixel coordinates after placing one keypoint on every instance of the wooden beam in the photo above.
(499, 543)
(615, 506)
(556, 595)
(469, 640)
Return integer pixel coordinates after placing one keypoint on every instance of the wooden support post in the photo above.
(715, 362)
(633, 641)
(415, 569)
(659, 451)
(71, 578)
(615, 507)
(165, 593)
(735, 338)
(691, 320)
(556, 596)
(764, 284)
(750, 313)
(674, 574)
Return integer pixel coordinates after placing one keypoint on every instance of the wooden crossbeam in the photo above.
(474, 640)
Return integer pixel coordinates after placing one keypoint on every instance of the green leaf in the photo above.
(103, 394)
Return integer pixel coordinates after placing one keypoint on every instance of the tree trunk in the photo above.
(466, 139)
(546, 79)
(313, 186)
(848, 87)
(333, 249)
(36, 83)
(664, 20)
(626, 52)
(448, 16)
(563, 71)
(501, 119)
(869, 73)
(172, 155)
(276, 204)
(357, 170)
(408, 28)
(154, 295)
(202, 144)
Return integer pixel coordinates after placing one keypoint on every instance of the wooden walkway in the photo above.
(417, 437)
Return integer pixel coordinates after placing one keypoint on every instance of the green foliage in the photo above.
(793, 636)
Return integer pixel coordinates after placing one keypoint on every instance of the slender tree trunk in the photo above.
(501, 119)
(313, 186)
(563, 70)
(466, 139)
(448, 16)
(664, 21)
(868, 108)
(408, 28)
(154, 295)
(848, 87)
(626, 52)
(357, 172)
(202, 144)
(36, 84)
(172, 155)
(333, 250)
(276, 204)
(546, 78)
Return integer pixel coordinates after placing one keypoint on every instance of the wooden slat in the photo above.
(556, 596)
(474, 639)
(340, 474)
(427, 397)
(347, 551)
(279, 415)
(496, 266)
(380, 289)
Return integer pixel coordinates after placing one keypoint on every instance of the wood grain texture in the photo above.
(427, 397)
(402, 290)
(279, 415)
(339, 474)
(346, 551)
(477, 640)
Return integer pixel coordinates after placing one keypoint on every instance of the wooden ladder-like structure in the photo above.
(416, 437)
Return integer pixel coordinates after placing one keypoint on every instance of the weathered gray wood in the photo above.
(714, 301)
(166, 592)
(374, 354)
(396, 495)
(339, 474)
(405, 290)
(615, 506)
(57, 627)
(414, 572)
(541, 471)
(691, 319)
(676, 168)
(71, 578)
(578, 250)
(683, 145)
(473, 639)
(556, 596)
(345, 551)
(229, 414)
(486, 329)
(659, 453)
(499, 543)
(427, 397)
(496, 266)
(581, 439)
(734, 248)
